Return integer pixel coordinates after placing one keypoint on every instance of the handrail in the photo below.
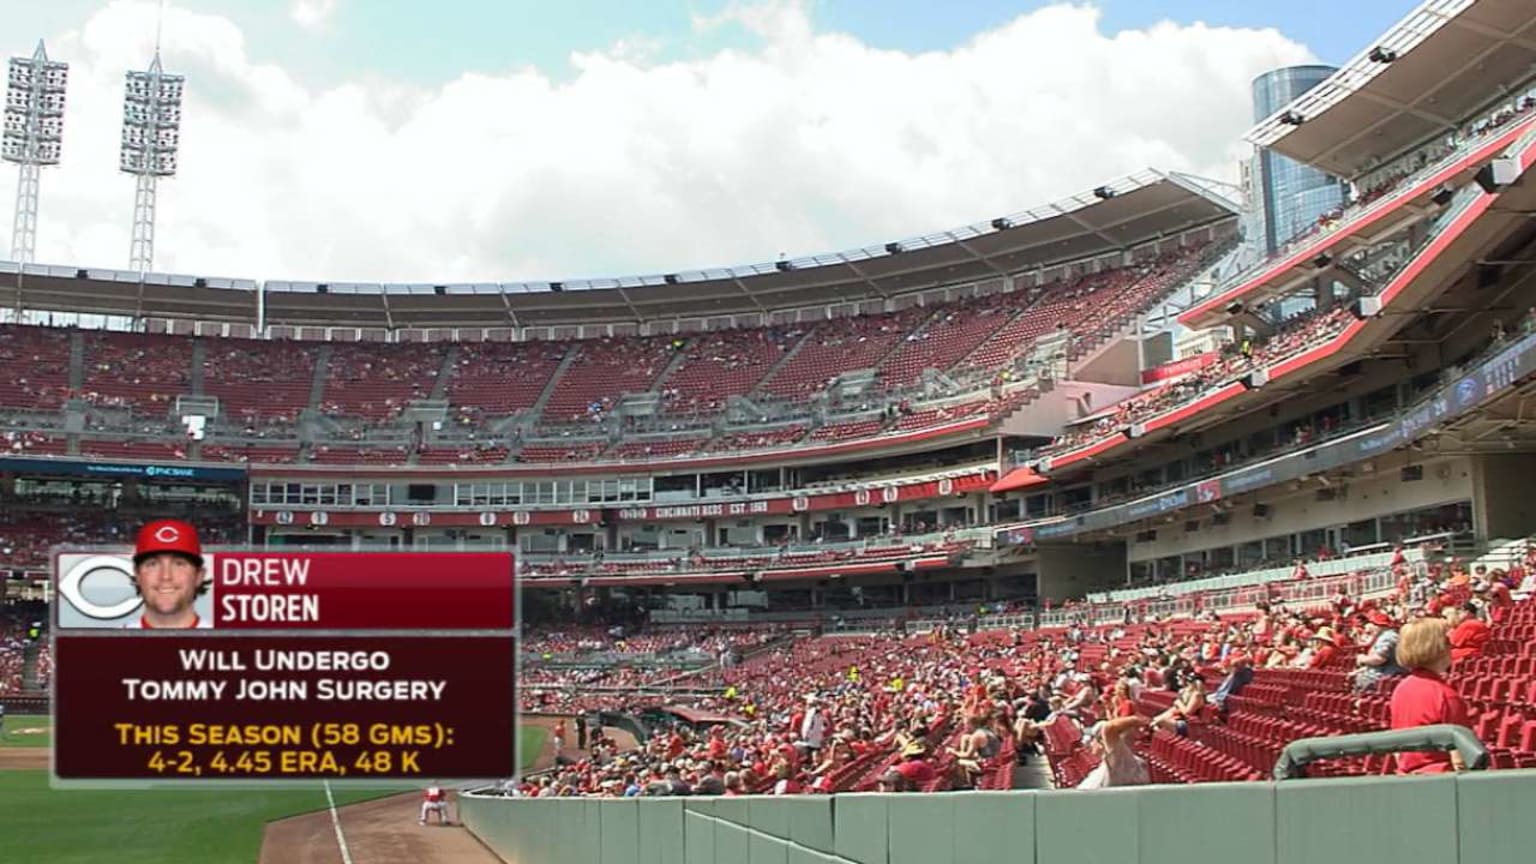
(1298, 754)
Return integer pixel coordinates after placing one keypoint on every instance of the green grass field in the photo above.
(27, 730)
(531, 741)
(198, 826)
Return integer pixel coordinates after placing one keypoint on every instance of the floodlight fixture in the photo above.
(33, 137)
(1383, 55)
(1292, 118)
(894, 249)
(1002, 223)
(1104, 193)
(151, 145)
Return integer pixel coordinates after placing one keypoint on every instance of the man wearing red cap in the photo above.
(168, 574)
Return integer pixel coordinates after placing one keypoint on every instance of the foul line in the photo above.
(341, 840)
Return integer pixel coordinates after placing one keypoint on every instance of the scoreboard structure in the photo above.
(298, 666)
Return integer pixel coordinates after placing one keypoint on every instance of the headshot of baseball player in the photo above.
(168, 574)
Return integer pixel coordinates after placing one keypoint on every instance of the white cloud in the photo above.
(311, 14)
(813, 142)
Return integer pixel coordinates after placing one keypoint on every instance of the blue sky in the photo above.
(403, 140)
(428, 43)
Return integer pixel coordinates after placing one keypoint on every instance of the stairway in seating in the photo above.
(199, 354)
(537, 411)
(677, 359)
(778, 364)
(317, 383)
(29, 666)
(450, 363)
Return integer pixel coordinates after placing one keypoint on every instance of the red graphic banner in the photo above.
(154, 706)
(1178, 368)
(363, 591)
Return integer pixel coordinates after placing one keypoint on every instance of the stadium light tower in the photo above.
(33, 137)
(151, 141)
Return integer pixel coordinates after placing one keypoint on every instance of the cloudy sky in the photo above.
(504, 140)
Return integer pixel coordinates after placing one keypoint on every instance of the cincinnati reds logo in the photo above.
(421, 518)
(889, 494)
(946, 486)
(103, 568)
(284, 517)
(320, 518)
(386, 519)
(167, 534)
(487, 519)
(581, 516)
(801, 503)
(522, 517)
(861, 497)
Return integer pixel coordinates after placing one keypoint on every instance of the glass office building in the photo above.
(1290, 196)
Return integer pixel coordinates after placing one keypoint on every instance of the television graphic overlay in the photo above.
(301, 666)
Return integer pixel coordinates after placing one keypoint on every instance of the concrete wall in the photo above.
(1470, 819)
(1445, 481)
(1071, 571)
(1502, 504)
(1047, 415)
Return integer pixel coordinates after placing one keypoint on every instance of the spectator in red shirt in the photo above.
(911, 773)
(1423, 698)
(1468, 633)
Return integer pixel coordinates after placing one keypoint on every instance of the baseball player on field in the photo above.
(434, 800)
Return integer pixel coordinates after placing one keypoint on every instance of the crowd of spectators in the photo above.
(954, 708)
(1299, 333)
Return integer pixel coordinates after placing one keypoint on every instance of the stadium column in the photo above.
(1501, 500)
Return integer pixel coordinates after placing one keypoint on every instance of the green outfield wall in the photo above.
(1471, 819)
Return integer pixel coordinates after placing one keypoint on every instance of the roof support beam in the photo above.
(511, 314)
(750, 296)
(1428, 93)
(979, 256)
(864, 275)
(1081, 223)
(1515, 38)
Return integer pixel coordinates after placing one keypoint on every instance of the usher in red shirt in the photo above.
(1424, 699)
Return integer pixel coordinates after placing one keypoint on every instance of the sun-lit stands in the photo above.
(18, 443)
(765, 558)
(258, 453)
(575, 451)
(838, 346)
(341, 454)
(604, 370)
(377, 381)
(136, 371)
(467, 454)
(953, 332)
(1300, 332)
(138, 449)
(259, 382)
(1416, 167)
(722, 365)
(761, 439)
(27, 536)
(1092, 307)
(928, 417)
(655, 448)
(495, 379)
(848, 429)
(36, 364)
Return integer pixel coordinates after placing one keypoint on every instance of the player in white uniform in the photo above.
(168, 574)
(435, 800)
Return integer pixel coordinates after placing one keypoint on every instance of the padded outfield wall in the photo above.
(1479, 818)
